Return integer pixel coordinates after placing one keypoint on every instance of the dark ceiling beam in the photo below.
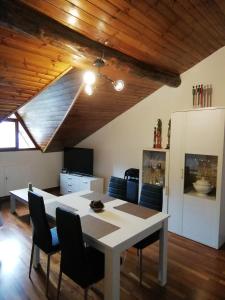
(22, 18)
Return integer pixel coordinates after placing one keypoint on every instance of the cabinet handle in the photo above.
(182, 173)
(166, 190)
(69, 191)
(85, 182)
(69, 184)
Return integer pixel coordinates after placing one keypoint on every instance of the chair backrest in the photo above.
(151, 196)
(73, 257)
(117, 188)
(132, 191)
(132, 173)
(41, 231)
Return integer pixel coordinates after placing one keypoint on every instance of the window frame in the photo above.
(16, 148)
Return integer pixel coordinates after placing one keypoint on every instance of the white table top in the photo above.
(22, 194)
(132, 228)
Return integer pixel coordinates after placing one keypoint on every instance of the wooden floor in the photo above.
(194, 271)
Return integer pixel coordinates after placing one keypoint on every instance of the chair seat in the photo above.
(55, 240)
(148, 240)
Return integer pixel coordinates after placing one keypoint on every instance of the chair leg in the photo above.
(47, 276)
(59, 283)
(86, 294)
(140, 266)
(31, 259)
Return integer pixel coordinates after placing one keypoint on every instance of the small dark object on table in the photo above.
(97, 206)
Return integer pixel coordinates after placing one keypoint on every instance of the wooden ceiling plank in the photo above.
(175, 23)
(21, 72)
(147, 28)
(195, 17)
(51, 30)
(4, 50)
(62, 121)
(54, 55)
(13, 81)
(125, 33)
(190, 19)
(16, 76)
(29, 62)
(7, 63)
(215, 19)
(149, 19)
(133, 48)
(19, 86)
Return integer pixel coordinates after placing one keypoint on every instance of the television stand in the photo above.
(71, 183)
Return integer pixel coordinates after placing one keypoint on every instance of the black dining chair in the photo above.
(44, 238)
(84, 265)
(117, 188)
(151, 197)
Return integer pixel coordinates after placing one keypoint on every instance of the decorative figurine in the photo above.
(168, 135)
(159, 134)
(154, 141)
(202, 95)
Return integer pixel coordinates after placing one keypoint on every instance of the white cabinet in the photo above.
(197, 154)
(155, 166)
(71, 183)
(13, 177)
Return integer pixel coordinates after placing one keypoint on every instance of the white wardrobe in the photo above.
(197, 155)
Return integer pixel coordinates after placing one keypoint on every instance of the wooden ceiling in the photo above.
(143, 41)
(46, 112)
(27, 66)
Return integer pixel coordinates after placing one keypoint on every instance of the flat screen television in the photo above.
(79, 160)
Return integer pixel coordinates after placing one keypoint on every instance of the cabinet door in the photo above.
(63, 184)
(200, 220)
(16, 177)
(204, 132)
(75, 187)
(84, 184)
(176, 171)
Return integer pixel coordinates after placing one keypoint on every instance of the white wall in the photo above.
(21, 167)
(119, 144)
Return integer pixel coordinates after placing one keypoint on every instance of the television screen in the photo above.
(79, 160)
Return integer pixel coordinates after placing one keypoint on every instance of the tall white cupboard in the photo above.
(197, 175)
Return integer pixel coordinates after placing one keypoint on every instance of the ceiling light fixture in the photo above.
(89, 78)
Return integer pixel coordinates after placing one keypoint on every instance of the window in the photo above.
(13, 136)
(7, 134)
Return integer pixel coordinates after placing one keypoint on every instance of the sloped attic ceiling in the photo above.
(146, 41)
(46, 112)
(26, 67)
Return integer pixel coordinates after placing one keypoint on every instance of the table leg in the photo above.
(163, 244)
(12, 204)
(112, 275)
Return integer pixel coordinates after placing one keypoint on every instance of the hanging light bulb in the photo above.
(89, 90)
(89, 77)
(118, 85)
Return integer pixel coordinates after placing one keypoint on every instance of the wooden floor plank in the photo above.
(195, 272)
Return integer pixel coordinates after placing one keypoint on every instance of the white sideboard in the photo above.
(197, 152)
(70, 183)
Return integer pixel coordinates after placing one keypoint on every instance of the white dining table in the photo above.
(130, 229)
